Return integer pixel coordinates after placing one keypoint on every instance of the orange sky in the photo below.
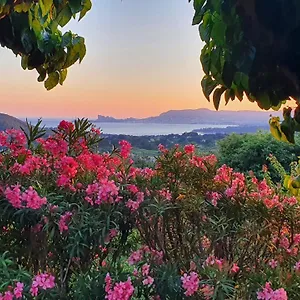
(142, 60)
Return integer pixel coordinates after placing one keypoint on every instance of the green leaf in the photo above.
(24, 62)
(67, 39)
(26, 39)
(228, 73)
(64, 16)
(48, 4)
(72, 57)
(218, 32)
(37, 28)
(275, 128)
(75, 6)
(18, 8)
(242, 80)
(52, 80)
(198, 5)
(263, 101)
(63, 75)
(208, 85)
(75, 52)
(217, 96)
(42, 75)
(30, 19)
(205, 59)
(87, 5)
(42, 7)
(205, 28)
(227, 96)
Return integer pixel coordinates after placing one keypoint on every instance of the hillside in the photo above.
(201, 116)
(7, 122)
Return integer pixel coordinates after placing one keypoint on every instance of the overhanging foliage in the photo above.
(31, 29)
(251, 50)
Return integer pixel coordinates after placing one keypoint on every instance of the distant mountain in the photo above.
(201, 116)
(8, 122)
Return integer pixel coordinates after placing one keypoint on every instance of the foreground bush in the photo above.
(79, 224)
(234, 151)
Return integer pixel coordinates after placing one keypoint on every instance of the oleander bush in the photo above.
(80, 224)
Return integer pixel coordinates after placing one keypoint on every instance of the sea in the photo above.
(137, 129)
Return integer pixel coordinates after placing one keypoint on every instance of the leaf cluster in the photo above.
(32, 30)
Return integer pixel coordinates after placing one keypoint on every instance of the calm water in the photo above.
(139, 129)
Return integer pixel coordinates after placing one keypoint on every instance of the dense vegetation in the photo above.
(81, 224)
(251, 51)
(251, 152)
(204, 142)
(242, 152)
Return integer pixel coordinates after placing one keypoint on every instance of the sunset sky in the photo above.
(142, 59)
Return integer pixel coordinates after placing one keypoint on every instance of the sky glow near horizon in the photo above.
(142, 59)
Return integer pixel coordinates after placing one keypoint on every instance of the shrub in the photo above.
(96, 227)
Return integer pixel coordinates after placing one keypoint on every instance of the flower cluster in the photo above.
(27, 199)
(43, 281)
(208, 229)
(190, 283)
(268, 294)
(121, 290)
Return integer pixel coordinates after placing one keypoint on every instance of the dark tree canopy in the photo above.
(251, 51)
(31, 29)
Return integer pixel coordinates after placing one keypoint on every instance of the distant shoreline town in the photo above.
(200, 116)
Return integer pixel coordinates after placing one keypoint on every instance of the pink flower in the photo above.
(205, 243)
(8, 295)
(63, 181)
(224, 174)
(212, 260)
(121, 290)
(189, 149)
(273, 263)
(113, 233)
(125, 148)
(162, 149)
(108, 283)
(290, 200)
(34, 290)
(214, 197)
(63, 222)
(268, 294)
(32, 199)
(13, 195)
(133, 205)
(29, 198)
(165, 193)
(207, 291)
(18, 290)
(43, 281)
(148, 281)
(235, 268)
(190, 283)
(297, 266)
(55, 146)
(132, 188)
(145, 269)
(135, 257)
(66, 126)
